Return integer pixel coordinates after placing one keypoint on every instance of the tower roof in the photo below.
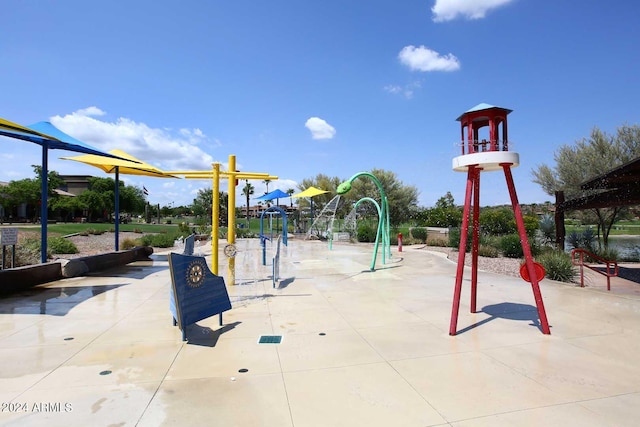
(483, 106)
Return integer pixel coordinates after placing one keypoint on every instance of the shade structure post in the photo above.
(215, 217)
(44, 185)
(231, 219)
(117, 203)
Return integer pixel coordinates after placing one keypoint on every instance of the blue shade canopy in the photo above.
(50, 138)
(275, 194)
(67, 142)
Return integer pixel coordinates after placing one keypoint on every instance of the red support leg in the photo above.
(475, 241)
(455, 309)
(526, 249)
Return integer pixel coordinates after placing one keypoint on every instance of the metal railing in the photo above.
(482, 146)
(578, 258)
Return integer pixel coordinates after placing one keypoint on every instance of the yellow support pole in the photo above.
(231, 175)
(215, 218)
(231, 218)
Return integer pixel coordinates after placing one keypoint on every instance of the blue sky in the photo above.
(296, 88)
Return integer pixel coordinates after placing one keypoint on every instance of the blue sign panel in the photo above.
(197, 293)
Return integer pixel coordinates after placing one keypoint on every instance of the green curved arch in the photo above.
(383, 222)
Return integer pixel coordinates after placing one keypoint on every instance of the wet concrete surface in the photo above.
(357, 347)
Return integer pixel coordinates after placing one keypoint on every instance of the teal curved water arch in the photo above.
(263, 238)
(383, 214)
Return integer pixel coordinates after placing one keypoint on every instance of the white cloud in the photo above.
(424, 59)
(395, 89)
(159, 147)
(407, 90)
(447, 10)
(320, 129)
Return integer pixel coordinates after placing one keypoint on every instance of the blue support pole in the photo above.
(44, 185)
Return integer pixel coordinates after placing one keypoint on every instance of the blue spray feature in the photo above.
(263, 238)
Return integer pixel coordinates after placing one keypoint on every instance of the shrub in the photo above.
(511, 246)
(437, 242)
(584, 240)
(488, 251)
(547, 228)
(137, 230)
(160, 240)
(366, 232)
(92, 231)
(128, 244)
(610, 254)
(27, 253)
(419, 234)
(454, 238)
(60, 245)
(244, 233)
(183, 227)
(558, 266)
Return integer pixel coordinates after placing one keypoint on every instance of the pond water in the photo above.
(627, 246)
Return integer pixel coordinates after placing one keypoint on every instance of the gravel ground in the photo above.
(499, 265)
(94, 244)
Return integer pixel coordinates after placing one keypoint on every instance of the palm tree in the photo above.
(247, 190)
(266, 181)
(290, 193)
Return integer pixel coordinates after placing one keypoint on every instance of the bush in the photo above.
(366, 232)
(27, 253)
(244, 233)
(488, 251)
(128, 244)
(159, 240)
(92, 231)
(511, 246)
(454, 238)
(584, 240)
(558, 266)
(547, 227)
(419, 234)
(60, 245)
(610, 254)
(437, 242)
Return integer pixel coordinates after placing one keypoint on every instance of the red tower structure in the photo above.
(483, 156)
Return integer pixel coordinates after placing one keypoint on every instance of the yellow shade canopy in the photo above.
(133, 166)
(310, 192)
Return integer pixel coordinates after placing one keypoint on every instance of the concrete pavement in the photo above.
(358, 348)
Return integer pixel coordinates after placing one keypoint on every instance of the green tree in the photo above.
(322, 182)
(247, 190)
(99, 198)
(290, 193)
(202, 203)
(132, 199)
(201, 206)
(266, 182)
(67, 207)
(497, 221)
(25, 190)
(586, 159)
(443, 214)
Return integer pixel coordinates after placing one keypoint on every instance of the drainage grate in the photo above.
(270, 339)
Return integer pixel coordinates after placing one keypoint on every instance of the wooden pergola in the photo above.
(618, 187)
